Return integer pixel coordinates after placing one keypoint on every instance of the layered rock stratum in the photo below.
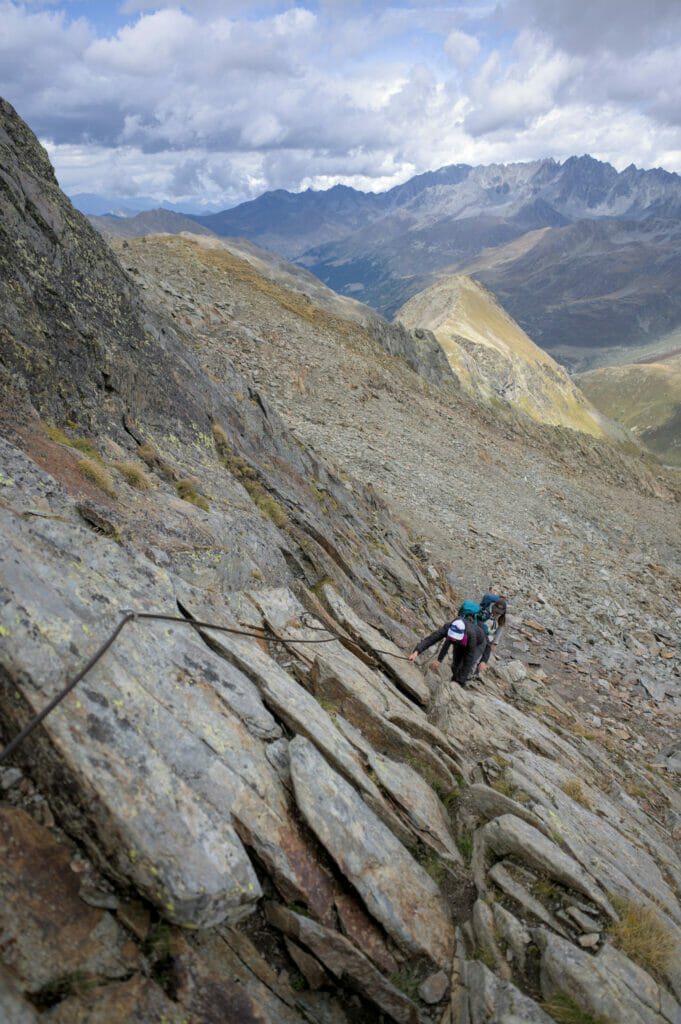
(256, 809)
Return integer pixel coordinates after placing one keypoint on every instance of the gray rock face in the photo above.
(345, 961)
(493, 1001)
(396, 889)
(391, 658)
(608, 984)
(509, 835)
(105, 739)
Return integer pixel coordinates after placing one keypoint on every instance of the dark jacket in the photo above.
(465, 656)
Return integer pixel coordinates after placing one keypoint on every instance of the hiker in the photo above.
(467, 641)
(493, 625)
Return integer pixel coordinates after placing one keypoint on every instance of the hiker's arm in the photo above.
(428, 641)
(443, 650)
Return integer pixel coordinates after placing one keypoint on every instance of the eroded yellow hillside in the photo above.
(495, 359)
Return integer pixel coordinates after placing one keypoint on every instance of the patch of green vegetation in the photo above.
(86, 445)
(432, 864)
(545, 888)
(272, 510)
(299, 909)
(564, 1010)
(186, 489)
(465, 844)
(407, 979)
(485, 955)
(56, 434)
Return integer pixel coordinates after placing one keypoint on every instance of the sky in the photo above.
(213, 102)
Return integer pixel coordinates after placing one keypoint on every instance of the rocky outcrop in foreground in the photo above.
(279, 823)
(254, 808)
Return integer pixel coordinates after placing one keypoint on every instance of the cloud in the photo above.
(622, 27)
(462, 48)
(225, 99)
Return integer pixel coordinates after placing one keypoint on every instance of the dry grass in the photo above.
(564, 1010)
(573, 789)
(134, 475)
(99, 475)
(148, 454)
(643, 936)
(545, 888)
(186, 488)
(505, 787)
(221, 440)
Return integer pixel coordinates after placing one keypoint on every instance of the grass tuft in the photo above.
(465, 845)
(432, 864)
(82, 444)
(504, 786)
(573, 789)
(545, 888)
(643, 936)
(99, 475)
(134, 475)
(485, 955)
(564, 1010)
(186, 488)
(407, 979)
(148, 454)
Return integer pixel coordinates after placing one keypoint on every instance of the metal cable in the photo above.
(128, 616)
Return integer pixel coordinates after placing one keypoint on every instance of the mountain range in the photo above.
(586, 259)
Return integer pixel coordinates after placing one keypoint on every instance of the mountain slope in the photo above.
(606, 275)
(645, 398)
(146, 223)
(256, 807)
(494, 359)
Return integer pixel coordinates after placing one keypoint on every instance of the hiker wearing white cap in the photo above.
(467, 641)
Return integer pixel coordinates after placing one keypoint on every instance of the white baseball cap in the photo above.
(457, 630)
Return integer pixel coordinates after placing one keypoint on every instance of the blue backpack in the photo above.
(471, 611)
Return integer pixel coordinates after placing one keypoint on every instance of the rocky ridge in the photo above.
(256, 825)
(493, 358)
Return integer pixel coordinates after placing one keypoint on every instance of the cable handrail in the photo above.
(129, 616)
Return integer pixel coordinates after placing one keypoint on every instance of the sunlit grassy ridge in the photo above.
(493, 357)
(646, 398)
